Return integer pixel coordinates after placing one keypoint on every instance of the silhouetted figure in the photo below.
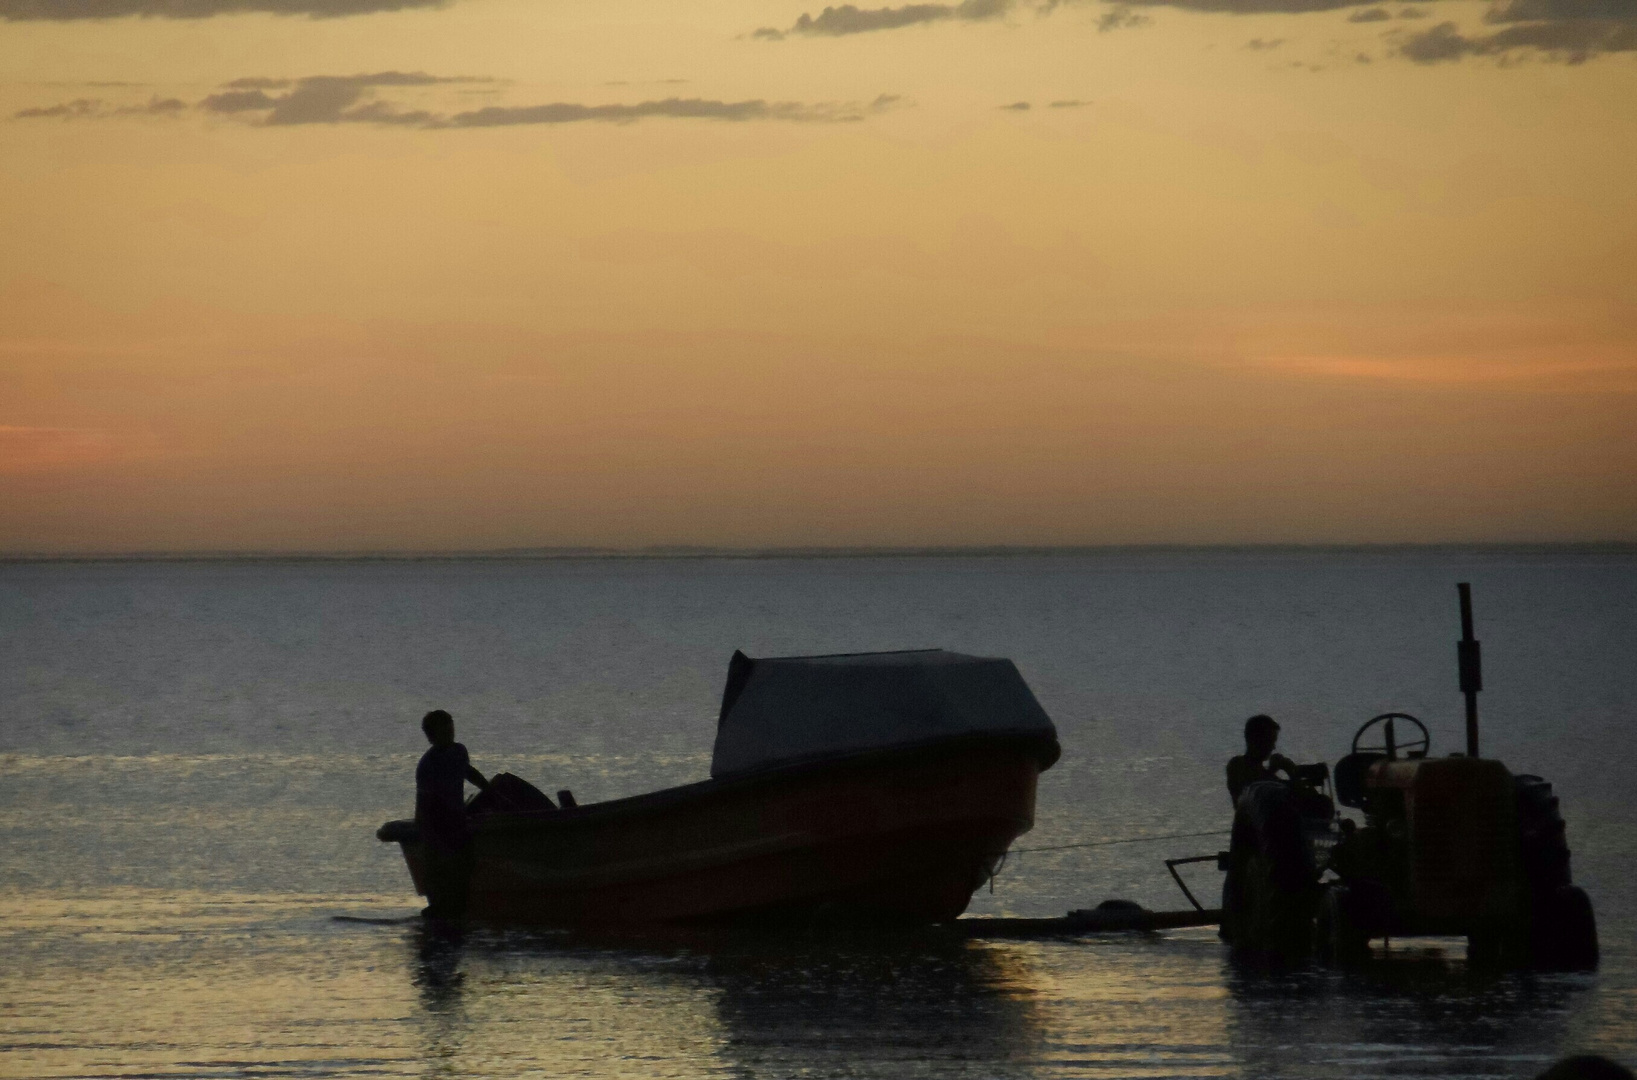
(440, 814)
(1258, 762)
(1587, 1067)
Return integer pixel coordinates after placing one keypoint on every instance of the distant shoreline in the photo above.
(683, 552)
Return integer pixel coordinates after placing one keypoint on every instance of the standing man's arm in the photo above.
(477, 778)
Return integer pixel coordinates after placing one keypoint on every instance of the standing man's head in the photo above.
(439, 727)
(1261, 735)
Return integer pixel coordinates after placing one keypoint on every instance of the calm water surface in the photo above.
(194, 757)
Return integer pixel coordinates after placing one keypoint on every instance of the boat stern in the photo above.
(407, 835)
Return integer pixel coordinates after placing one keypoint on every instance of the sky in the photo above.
(364, 275)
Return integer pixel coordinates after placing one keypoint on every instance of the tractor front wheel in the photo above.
(1337, 936)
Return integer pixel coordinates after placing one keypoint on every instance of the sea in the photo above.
(195, 755)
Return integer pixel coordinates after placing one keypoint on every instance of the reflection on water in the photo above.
(166, 985)
(760, 1006)
(438, 976)
(724, 1004)
(875, 1009)
(1418, 1011)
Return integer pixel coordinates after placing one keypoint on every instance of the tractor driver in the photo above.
(1258, 762)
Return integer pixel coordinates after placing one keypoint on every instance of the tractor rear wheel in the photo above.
(1562, 931)
(1541, 835)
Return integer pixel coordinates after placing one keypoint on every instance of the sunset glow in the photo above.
(379, 274)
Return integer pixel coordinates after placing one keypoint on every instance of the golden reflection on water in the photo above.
(490, 1007)
(721, 1005)
(147, 983)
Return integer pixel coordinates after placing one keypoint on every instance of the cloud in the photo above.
(1016, 106)
(1572, 31)
(1615, 11)
(324, 99)
(1069, 104)
(1253, 7)
(91, 108)
(68, 110)
(848, 19)
(69, 10)
(1120, 17)
(235, 101)
(677, 108)
(350, 99)
(1573, 41)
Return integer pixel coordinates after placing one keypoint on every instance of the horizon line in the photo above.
(837, 551)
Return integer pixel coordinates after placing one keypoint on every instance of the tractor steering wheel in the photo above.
(1414, 747)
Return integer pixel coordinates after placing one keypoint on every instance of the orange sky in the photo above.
(317, 274)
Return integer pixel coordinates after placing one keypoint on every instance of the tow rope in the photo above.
(1126, 840)
(1009, 852)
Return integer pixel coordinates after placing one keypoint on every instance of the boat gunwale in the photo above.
(1046, 747)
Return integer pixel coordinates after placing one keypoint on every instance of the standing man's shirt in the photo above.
(1244, 770)
(440, 795)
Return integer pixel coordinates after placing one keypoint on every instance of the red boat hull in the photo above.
(901, 835)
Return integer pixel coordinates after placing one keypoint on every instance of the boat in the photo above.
(863, 786)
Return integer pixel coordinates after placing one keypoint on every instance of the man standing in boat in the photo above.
(440, 814)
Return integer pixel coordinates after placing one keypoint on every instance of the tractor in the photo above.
(1452, 846)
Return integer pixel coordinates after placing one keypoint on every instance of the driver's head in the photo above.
(439, 727)
(1261, 733)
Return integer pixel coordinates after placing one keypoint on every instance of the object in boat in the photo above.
(859, 786)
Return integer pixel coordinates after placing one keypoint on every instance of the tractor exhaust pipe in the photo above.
(1469, 658)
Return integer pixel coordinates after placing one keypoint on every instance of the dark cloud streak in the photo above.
(849, 19)
(1120, 17)
(237, 101)
(1253, 7)
(1616, 11)
(68, 110)
(1572, 31)
(1573, 41)
(324, 99)
(676, 108)
(349, 99)
(93, 108)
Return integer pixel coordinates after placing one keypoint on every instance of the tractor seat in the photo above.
(1349, 778)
